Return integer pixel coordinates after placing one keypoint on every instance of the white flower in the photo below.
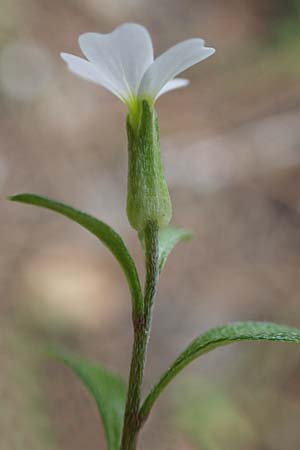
(123, 63)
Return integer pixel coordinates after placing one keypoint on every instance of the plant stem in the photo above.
(142, 328)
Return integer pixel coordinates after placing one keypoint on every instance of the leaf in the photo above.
(102, 231)
(217, 337)
(168, 238)
(204, 406)
(108, 390)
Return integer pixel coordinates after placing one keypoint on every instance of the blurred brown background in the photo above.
(231, 145)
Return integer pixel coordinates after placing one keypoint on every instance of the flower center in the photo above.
(134, 109)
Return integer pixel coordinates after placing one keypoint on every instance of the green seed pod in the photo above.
(148, 198)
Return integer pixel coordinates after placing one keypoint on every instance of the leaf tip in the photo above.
(15, 197)
(188, 235)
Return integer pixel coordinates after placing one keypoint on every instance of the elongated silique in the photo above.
(148, 198)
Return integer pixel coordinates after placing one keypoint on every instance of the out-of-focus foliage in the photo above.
(107, 389)
(210, 418)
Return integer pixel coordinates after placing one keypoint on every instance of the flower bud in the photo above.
(148, 198)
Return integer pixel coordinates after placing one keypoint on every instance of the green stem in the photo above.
(158, 388)
(142, 328)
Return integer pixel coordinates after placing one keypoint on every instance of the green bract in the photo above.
(168, 238)
(148, 198)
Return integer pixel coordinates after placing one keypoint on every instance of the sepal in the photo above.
(148, 198)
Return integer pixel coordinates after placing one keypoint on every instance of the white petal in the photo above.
(177, 83)
(121, 57)
(171, 63)
(86, 70)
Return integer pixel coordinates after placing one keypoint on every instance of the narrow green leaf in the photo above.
(217, 337)
(168, 238)
(108, 390)
(102, 231)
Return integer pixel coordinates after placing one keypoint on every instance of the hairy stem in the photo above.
(142, 328)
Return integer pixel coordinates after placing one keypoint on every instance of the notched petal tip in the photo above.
(87, 37)
(210, 50)
(121, 57)
(174, 61)
(129, 28)
(81, 67)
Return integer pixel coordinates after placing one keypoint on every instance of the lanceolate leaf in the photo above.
(102, 231)
(168, 238)
(217, 337)
(108, 390)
